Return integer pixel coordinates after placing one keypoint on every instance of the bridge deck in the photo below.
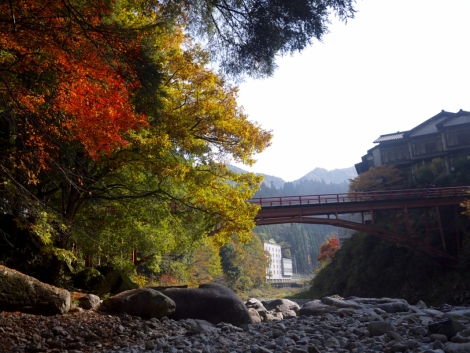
(318, 209)
(368, 196)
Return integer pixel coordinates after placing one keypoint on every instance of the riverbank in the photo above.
(338, 326)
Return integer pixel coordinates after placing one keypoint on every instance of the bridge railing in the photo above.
(360, 196)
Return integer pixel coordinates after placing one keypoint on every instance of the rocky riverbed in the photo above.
(331, 325)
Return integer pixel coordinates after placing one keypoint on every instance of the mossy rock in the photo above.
(91, 280)
(19, 292)
(118, 281)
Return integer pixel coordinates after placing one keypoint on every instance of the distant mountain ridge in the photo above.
(336, 176)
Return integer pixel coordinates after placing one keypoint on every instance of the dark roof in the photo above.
(454, 115)
(391, 137)
(435, 117)
(400, 135)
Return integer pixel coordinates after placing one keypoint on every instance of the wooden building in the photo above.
(445, 135)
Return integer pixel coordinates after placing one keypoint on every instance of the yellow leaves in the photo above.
(6, 57)
(200, 110)
(43, 228)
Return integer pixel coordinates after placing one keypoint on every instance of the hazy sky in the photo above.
(395, 65)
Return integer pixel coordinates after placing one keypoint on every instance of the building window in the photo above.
(458, 138)
(426, 147)
(396, 154)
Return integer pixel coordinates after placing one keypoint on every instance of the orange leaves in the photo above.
(97, 104)
(66, 77)
(328, 250)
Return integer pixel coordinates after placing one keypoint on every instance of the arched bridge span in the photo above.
(328, 208)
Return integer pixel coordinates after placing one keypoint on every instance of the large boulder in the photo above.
(340, 303)
(117, 280)
(255, 304)
(444, 327)
(316, 308)
(288, 308)
(211, 302)
(143, 302)
(19, 292)
(92, 281)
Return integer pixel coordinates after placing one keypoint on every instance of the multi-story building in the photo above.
(445, 135)
(280, 269)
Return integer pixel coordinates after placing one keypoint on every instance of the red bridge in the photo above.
(327, 208)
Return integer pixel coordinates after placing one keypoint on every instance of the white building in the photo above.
(280, 269)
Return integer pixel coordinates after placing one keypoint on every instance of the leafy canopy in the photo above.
(115, 133)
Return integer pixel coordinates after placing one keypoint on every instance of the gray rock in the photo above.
(149, 345)
(332, 343)
(394, 336)
(438, 345)
(255, 304)
(465, 332)
(255, 316)
(200, 326)
(280, 341)
(457, 348)
(419, 330)
(89, 301)
(91, 337)
(378, 328)
(340, 303)
(393, 307)
(143, 302)
(444, 327)
(298, 350)
(433, 312)
(19, 292)
(459, 326)
(438, 337)
(399, 347)
(282, 305)
(421, 305)
(460, 339)
(212, 302)
(315, 308)
(411, 344)
(313, 349)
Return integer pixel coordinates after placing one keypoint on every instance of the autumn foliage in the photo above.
(115, 133)
(65, 78)
(385, 177)
(328, 250)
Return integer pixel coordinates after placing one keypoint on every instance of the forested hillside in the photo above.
(371, 267)
(301, 242)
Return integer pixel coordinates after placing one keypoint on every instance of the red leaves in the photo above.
(66, 78)
(328, 250)
(97, 104)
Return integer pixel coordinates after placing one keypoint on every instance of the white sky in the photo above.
(395, 65)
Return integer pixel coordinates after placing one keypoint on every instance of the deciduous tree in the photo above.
(94, 147)
(328, 250)
(385, 177)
